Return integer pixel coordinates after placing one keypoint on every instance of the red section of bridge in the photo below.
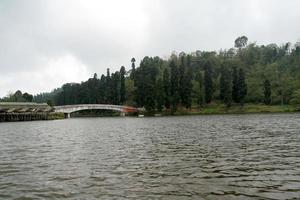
(130, 109)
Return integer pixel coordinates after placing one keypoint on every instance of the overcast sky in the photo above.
(45, 43)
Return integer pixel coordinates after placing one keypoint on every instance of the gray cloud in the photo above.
(46, 43)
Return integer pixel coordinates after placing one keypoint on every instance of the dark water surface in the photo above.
(192, 157)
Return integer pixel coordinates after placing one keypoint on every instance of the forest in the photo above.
(244, 74)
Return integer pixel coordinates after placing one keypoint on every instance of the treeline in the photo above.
(184, 82)
(109, 89)
(246, 73)
(18, 96)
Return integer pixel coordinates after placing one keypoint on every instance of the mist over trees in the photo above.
(247, 73)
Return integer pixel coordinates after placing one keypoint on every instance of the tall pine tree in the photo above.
(132, 74)
(188, 83)
(108, 87)
(235, 85)
(115, 88)
(242, 87)
(102, 89)
(160, 94)
(267, 92)
(208, 82)
(122, 87)
(200, 99)
(146, 77)
(222, 84)
(174, 86)
(167, 88)
(182, 86)
(225, 86)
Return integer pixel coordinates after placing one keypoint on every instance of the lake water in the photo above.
(189, 157)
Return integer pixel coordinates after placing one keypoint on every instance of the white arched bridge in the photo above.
(68, 109)
(22, 111)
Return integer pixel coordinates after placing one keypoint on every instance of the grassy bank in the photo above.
(95, 113)
(53, 116)
(234, 109)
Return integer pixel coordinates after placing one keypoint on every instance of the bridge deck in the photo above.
(75, 108)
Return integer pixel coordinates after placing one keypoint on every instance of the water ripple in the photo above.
(196, 157)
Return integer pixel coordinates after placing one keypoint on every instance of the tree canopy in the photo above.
(247, 73)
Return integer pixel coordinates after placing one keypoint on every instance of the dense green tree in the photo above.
(167, 88)
(160, 94)
(94, 89)
(27, 97)
(122, 89)
(182, 73)
(225, 86)
(132, 68)
(185, 80)
(188, 84)
(267, 92)
(49, 102)
(241, 42)
(44, 97)
(295, 100)
(208, 83)
(115, 88)
(199, 92)
(130, 92)
(95, 76)
(102, 89)
(145, 81)
(108, 86)
(235, 85)
(175, 98)
(228, 97)
(18, 96)
(139, 84)
(242, 91)
(222, 83)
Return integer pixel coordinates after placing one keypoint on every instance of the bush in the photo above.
(295, 100)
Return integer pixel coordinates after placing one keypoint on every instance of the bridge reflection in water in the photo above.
(68, 109)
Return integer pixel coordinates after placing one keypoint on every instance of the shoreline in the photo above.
(213, 109)
(218, 109)
(25, 117)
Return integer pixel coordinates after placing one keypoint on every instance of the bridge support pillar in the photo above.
(67, 115)
(122, 114)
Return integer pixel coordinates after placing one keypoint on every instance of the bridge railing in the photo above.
(78, 107)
